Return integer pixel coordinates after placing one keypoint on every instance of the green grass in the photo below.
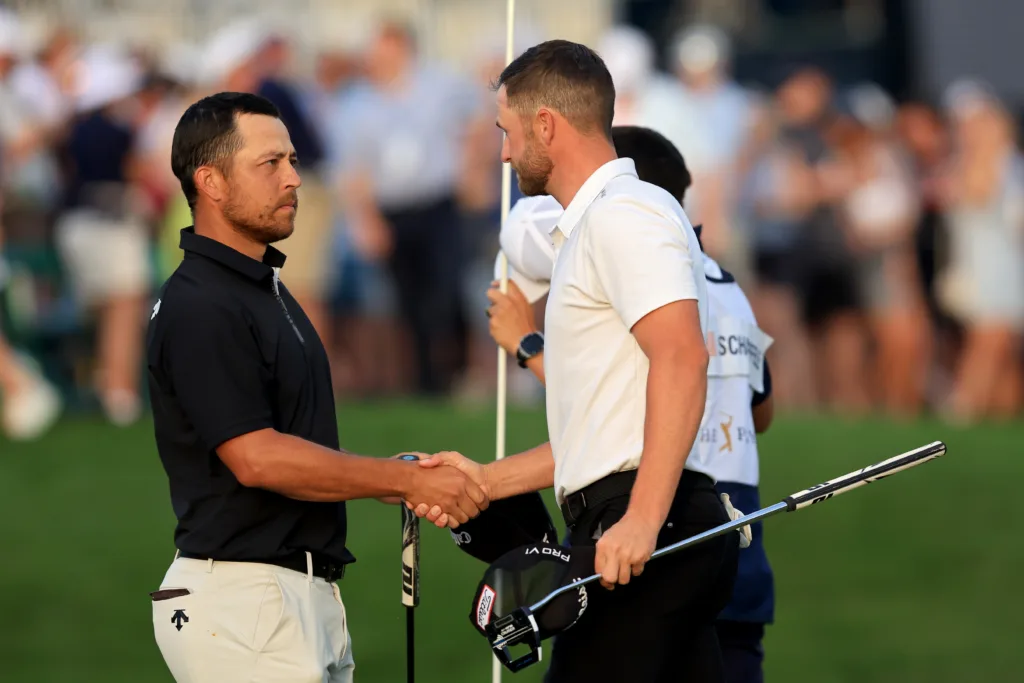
(913, 580)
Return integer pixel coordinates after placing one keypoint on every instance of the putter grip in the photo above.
(410, 552)
(867, 475)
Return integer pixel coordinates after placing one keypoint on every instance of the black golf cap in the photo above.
(505, 525)
(521, 578)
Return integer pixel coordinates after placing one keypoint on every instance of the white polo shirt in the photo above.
(624, 248)
(726, 447)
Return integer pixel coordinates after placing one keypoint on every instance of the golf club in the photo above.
(410, 580)
(520, 627)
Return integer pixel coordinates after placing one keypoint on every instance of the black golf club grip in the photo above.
(867, 475)
(410, 552)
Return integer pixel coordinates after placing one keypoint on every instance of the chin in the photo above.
(531, 189)
(282, 232)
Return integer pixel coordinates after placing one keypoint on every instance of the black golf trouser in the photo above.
(426, 267)
(660, 627)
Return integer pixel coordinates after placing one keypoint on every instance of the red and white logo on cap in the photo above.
(485, 607)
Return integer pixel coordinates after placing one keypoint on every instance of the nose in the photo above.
(292, 179)
(506, 151)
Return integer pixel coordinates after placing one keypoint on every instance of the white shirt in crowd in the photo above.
(725, 448)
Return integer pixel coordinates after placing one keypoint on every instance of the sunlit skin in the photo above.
(253, 202)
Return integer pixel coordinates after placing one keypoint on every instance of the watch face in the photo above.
(532, 344)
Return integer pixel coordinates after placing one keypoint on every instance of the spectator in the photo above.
(30, 403)
(983, 284)
(367, 353)
(31, 177)
(880, 211)
(713, 123)
(924, 135)
(778, 199)
(102, 239)
(403, 135)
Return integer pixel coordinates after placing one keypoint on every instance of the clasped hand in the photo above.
(450, 464)
(447, 496)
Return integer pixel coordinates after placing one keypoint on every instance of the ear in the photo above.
(210, 183)
(544, 125)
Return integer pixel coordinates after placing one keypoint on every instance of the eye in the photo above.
(271, 162)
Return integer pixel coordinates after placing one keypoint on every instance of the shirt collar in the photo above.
(591, 190)
(225, 255)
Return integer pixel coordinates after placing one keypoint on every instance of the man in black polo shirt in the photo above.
(246, 428)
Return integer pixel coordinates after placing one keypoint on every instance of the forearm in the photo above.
(530, 470)
(536, 366)
(303, 470)
(676, 391)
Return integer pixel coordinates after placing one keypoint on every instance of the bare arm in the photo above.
(764, 413)
(676, 389)
(530, 470)
(302, 470)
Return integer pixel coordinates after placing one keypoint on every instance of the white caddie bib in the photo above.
(727, 443)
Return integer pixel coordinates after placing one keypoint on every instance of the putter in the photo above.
(410, 580)
(520, 627)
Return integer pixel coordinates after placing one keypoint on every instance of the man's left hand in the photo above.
(623, 550)
(511, 316)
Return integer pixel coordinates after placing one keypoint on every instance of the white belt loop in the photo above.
(209, 565)
(309, 566)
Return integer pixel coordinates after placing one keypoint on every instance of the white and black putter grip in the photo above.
(410, 552)
(867, 475)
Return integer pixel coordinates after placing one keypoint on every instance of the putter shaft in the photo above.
(685, 543)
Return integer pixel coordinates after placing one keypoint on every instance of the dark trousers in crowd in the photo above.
(660, 627)
(742, 651)
(426, 266)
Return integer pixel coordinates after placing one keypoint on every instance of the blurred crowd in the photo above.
(881, 243)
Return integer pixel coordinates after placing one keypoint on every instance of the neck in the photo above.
(215, 226)
(586, 156)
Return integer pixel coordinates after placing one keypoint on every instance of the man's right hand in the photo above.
(448, 490)
(473, 470)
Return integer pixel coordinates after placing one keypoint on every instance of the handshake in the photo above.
(447, 488)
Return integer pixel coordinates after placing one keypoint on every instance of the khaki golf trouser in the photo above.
(250, 622)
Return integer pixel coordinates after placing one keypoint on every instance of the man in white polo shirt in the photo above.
(738, 404)
(626, 374)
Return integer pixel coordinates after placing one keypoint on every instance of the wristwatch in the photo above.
(529, 346)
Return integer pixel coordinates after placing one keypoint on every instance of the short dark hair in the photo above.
(567, 77)
(207, 135)
(657, 160)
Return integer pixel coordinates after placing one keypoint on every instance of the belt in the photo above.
(323, 567)
(575, 505)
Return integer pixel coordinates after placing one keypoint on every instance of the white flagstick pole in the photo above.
(506, 201)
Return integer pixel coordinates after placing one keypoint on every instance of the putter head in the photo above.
(517, 628)
(513, 604)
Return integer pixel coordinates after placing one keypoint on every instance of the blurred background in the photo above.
(856, 165)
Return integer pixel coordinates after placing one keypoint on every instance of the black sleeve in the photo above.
(761, 397)
(213, 364)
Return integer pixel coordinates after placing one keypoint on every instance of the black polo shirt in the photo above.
(228, 355)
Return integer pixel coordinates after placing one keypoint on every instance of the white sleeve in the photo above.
(642, 259)
(532, 289)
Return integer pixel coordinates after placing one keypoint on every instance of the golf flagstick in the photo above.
(506, 200)
(519, 627)
(410, 581)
